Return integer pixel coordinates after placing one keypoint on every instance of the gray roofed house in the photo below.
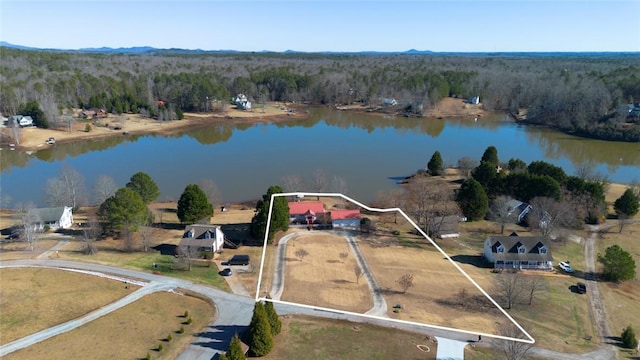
(203, 237)
(518, 209)
(56, 218)
(518, 252)
(445, 227)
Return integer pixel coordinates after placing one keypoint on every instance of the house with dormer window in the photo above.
(203, 237)
(518, 252)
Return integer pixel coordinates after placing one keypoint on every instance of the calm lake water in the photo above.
(368, 152)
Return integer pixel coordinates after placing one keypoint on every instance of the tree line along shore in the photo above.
(582, 94)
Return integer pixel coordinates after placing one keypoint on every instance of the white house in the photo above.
(203, 237)
(55, 218)
(22, 121)
(474, 100)
(515, 252)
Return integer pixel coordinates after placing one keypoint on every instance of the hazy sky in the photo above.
(322, 25)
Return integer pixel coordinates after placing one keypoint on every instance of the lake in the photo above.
(368, 152)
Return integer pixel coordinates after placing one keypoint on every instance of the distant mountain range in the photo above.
(152, 50)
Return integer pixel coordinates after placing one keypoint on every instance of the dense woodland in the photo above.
(575, 93)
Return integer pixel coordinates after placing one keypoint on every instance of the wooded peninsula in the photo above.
(585, 94)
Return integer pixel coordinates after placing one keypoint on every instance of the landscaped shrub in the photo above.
(169, 338)
(629, 338)
(181, 331)
(87, 128)
(189, 321)
(186, 313)
(148, 356)
(47, 228)
(160, 347)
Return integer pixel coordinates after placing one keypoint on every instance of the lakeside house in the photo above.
(311, 213)
(55, 218)
(202, 237)
(20, 120)
(518, 252)
(474, 100)
(241, 101)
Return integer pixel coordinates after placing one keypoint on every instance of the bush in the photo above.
(189, 321)
(629, 338)
(148, 356)
(160, 347)
(186, 313)
(181, 331)
(395, 232)
(87, 128)
(47, 228)
(169, 338)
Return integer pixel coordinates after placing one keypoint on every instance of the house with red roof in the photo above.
(305, 212)
(345, 218)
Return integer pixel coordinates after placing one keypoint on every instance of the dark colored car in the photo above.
(582, 288)
(238, 260)
(226, 272)
(12, 236)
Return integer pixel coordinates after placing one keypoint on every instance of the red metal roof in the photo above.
(345, 214)
(302, 207)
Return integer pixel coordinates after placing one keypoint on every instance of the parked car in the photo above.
(237, 260)
(12, 236)
(564, 265)
(226, 272)
(51, 141)
(582, 288)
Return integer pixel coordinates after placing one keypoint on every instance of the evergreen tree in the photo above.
(629, 338)
(32, 108)
(124, 209)
(194, 205)
(545, 168)
(144, 185)
(435, 165)
(223, 357)
(260, 337)
(490, 156)
(618, 264)
(279, 217)
(627, 204)
(473, 200)
(235, 349)
(274, 319)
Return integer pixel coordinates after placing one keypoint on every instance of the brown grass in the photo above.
(130, 332)
(322, 278)
(315, 338)
(34, 299)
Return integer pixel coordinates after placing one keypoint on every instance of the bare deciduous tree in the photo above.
(501, 212)
(103, 188)
(301, 253)
(509, 287)
(147, 233)
(90, 233)
(29, 220)
(466, 165)
(211, 190)
(513, 350)
(344, 256)
(405, 281)
(338, 185)
(185, 256)
(548, 215)
(391, 199)
(319, 181)
(292, 183)
(426, 199)
(535, 285)
(67, 189)
(358, 273)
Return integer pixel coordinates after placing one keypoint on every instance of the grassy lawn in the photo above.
(318, 339)
(131, 332)
(34, 299)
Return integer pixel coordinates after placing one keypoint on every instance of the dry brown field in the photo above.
(323, 278)
(131, 332)
(34, 299)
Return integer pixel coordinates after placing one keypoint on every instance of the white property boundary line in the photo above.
(529, 340)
